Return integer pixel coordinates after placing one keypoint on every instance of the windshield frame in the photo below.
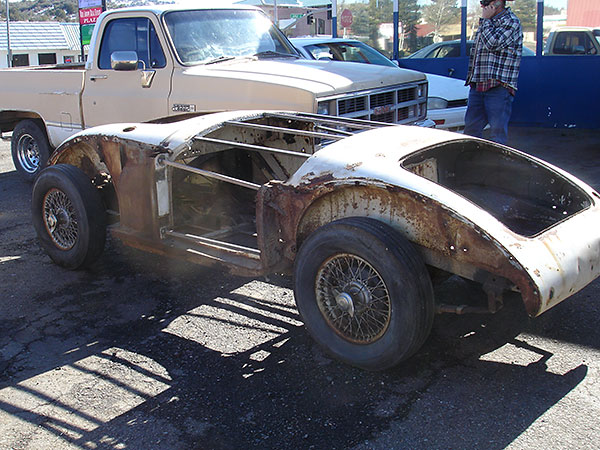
(275, 33)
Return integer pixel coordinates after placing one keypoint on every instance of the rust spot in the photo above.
(352, 167)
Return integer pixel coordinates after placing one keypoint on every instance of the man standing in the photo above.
(493, 70)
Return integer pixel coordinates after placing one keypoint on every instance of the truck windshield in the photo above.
(205, 36)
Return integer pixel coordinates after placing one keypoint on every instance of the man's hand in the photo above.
(489, 11)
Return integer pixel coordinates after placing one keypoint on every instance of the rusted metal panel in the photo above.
(424, 222)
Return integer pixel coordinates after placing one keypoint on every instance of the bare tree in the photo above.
(440, 13)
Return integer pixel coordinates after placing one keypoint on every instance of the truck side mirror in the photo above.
(124, 60)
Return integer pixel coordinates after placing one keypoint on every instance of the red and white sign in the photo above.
(89, 16)
(346, 18)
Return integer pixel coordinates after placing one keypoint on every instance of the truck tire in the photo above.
(68, 216)
(30, 149)
(363, 293)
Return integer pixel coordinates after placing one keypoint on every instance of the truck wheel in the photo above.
(68, 216)
(30, 149)
(363, 292)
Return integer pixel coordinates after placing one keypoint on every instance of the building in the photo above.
(292, 15)
(39, 43)
(583, 13)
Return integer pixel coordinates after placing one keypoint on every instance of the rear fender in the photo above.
(444, 238)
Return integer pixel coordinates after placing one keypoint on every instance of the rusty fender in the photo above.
(444, 238)
(128, 165)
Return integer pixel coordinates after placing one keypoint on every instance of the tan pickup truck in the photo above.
(573, 41)
(152, 62)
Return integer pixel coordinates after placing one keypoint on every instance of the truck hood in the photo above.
(321, 77)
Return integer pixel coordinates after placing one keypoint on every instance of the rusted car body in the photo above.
(247, 190)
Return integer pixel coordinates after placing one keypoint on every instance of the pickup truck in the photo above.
(573, 41)
(147, 63)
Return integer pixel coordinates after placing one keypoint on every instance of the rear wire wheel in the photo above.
(353, 298)
(363, 292)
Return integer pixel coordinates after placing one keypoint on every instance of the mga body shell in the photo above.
(360, 175)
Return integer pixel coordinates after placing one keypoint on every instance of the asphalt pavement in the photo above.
(142, 352)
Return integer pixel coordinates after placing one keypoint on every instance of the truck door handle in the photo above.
(98, 77)
(450, 71)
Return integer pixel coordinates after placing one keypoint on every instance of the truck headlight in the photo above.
(324, 108)
(436, 103)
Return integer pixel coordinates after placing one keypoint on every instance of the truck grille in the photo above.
(352, 105)
(398, 104)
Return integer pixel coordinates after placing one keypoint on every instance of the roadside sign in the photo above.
(296, 16)
(89, 11)
(89, 16)
(86, 34)
(346, 18)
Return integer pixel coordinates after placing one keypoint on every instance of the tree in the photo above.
(368, 17)
(526, 11)
(440, 13)
(551, 11)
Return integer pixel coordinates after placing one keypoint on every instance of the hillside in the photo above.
(59, 10)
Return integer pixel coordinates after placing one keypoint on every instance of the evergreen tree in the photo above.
(526, 11)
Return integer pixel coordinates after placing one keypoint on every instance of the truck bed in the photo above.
(51, 93)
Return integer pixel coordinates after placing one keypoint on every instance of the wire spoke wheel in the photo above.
(69, 216)
(353, 298)
(363, 292)
(28, 153)
(60, 219)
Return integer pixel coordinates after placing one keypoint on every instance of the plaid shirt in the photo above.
(496, 53)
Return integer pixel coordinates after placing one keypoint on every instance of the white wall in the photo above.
(33, 56)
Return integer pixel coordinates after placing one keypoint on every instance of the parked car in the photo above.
(361, 213)
(447, 97)
(447, 49)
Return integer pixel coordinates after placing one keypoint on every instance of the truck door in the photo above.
(112, 96)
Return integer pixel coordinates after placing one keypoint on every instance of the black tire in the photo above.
(30, 149)
(361, 270)
(68, 216)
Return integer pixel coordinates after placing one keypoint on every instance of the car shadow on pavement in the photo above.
(144, 352)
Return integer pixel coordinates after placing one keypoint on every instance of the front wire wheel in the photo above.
(69, 216)
(353, 298)
(60, 219)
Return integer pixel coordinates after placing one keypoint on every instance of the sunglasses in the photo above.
(485, 2)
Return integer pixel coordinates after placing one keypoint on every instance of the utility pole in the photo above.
(9, 53)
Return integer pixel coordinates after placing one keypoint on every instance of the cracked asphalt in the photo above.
(142, 352)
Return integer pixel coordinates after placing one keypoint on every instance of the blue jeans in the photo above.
(493, 107)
